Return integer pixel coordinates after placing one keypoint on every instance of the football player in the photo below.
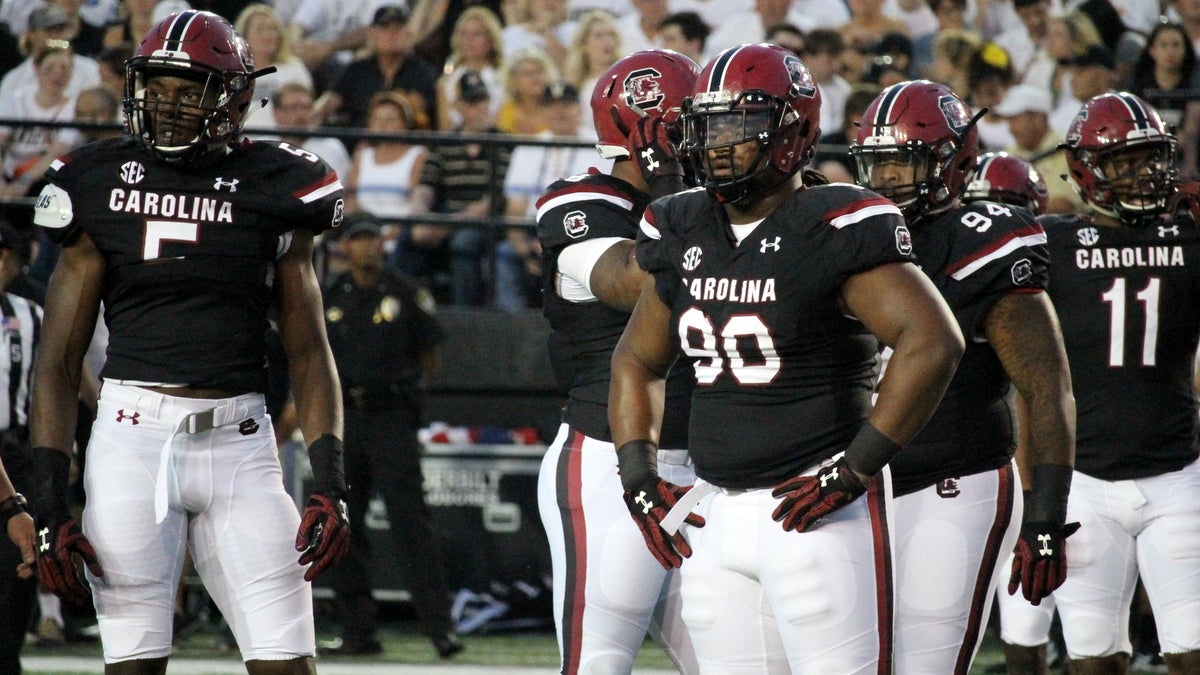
(608, 588)
(1007, 179)
(958, 506)
(189, 235)
(777, 290)
(1024, 627)
(1128, 297)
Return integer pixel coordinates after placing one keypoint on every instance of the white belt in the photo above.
(683, 507)
(188, 416)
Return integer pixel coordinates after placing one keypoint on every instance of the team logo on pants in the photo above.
(248, 426)
(132, 417)
(947, 488)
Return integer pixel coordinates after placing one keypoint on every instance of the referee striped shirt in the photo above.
(22, 324)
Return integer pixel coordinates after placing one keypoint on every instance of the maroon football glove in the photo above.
(324, 536)
(807, 499)
(1040, 560)
(57, 544)
(653, 149)
(649, 502)
(59, 538)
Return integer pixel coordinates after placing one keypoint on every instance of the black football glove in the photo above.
(807, 499)
(1040, 560)
(324, 536)
(649, 503)
(59, 538)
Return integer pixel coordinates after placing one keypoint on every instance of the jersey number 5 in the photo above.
(713, 357)
(158, 231)
(1115, 297)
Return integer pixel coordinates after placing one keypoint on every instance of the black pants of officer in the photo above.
(383, 455)
(17, 596)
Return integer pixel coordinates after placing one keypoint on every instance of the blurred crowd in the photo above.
(527, 68)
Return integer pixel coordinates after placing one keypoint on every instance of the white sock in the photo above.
(51, 606)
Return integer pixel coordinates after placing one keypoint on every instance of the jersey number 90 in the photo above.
(716, 351)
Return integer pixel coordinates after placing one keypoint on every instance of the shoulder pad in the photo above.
(53, 208)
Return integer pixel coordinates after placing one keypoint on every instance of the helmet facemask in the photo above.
(733, 143)
(912, 174)
(1132, 180)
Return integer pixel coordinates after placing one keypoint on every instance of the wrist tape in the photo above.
(636, 462)
(329, 471)
(1047, 502)
(870, 450)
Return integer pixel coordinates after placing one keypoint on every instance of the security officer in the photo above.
(384, 339)
(20, 322)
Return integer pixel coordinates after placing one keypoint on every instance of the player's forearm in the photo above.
(317, 395)
(636, 397)
(53, 404)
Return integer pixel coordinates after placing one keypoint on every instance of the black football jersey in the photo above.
(974, 254)
(1128, 300)
(783, 377)
(190, 254)
(583, 335)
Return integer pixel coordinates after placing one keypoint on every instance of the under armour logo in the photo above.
(132, 417)
(648, 156)
(773, 245)
(641, 500)
(1045, 550)
(1163, 230)
(832, 475)
(222, 183)
(44, 536)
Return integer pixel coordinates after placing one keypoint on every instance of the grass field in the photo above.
(402, 645)
(498, 652)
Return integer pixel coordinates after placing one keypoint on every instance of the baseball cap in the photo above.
(1021, 98)
(1096, 55)
(390, 14)
(472, 88)
(560, 91)
(361, 222)
(47, 16)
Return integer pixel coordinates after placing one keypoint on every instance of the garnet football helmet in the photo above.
(760, 94)
(651, 82)
(1001, 177)
(1121, 157)
(920, 125)
(204, 48)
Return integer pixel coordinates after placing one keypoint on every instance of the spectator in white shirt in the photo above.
(48, 23)
(639, 29)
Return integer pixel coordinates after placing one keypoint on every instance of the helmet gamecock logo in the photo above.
(801, 78)
(956, 113)
(575, 223)
(642, 89)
